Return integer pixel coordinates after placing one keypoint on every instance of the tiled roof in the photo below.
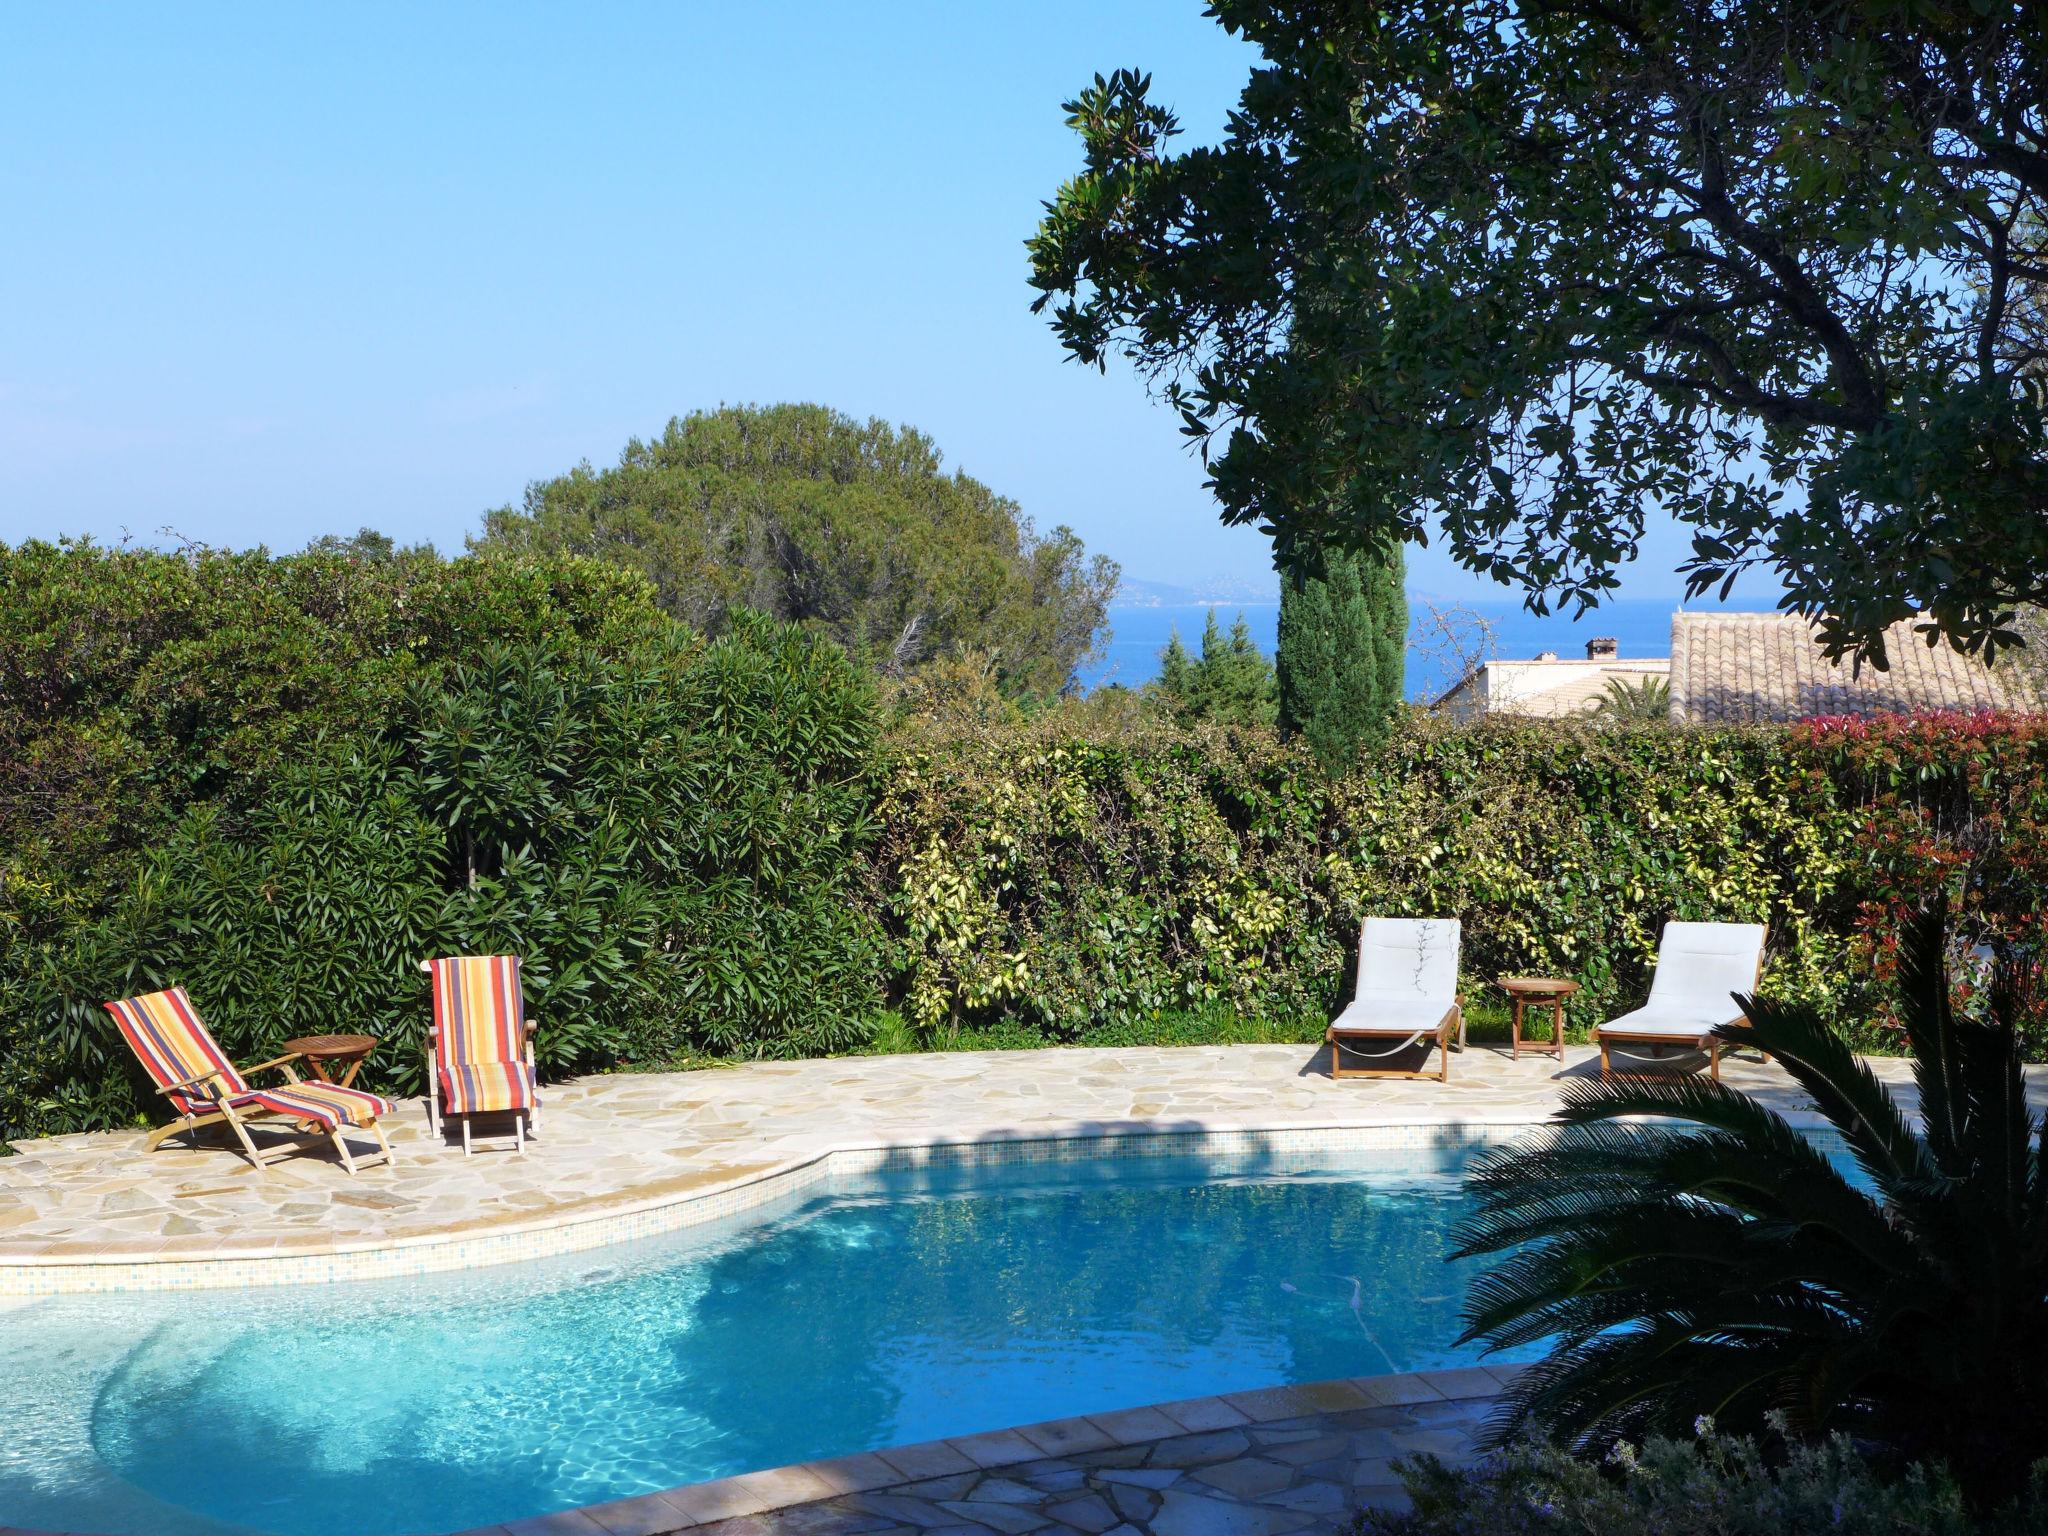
(1735, 668)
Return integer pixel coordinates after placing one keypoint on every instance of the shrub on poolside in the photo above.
(1713, 1486)
(1090, 873)
(1062, 878)
(1682, 1250)
(668, 837)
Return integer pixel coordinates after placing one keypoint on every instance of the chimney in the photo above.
(1546, 655)
(1603, 649)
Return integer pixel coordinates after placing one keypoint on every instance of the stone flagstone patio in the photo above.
(1266, 1463)
(622, 1142)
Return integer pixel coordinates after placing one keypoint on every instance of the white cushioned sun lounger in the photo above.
(1407, 995)
(1700, 968)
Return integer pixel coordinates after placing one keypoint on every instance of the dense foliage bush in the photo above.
(136, 682)
(1713, 1486)
(666, 829)
(273, 780)
(1032, 872)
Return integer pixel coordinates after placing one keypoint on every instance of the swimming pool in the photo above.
(883, 1308)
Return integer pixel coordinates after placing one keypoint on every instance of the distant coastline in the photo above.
(1146, 614)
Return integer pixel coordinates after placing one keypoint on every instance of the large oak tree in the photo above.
(1529, 269)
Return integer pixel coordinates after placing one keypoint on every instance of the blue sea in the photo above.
(1478, 630)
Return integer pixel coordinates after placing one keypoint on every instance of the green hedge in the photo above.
(283, 782)
(668, 830)
(1061, 880)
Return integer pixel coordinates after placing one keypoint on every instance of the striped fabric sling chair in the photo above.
(480, 1049)
(189, 1068)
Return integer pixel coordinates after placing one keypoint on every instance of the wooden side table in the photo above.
(328, 1053)
(1540, 990)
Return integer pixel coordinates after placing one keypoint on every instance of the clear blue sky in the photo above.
(273, 271)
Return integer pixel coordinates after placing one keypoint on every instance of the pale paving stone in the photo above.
(1187, 1514)
(954, 1487)
(1128, 1426)
(934, 1458)
(1465, 1381)
(1132, 1503)
(855, 1474)
(569, 1522)
(1141, 1477)
(1303, 1453)
(1001, 1490)
(1088, 1513)
(997, 1448)
(1248, 1478)
(1315, 1498)
(649, 1515)
(1199, 1413)
(1010, 1519)
(1063, 1437)
(1200, 1450)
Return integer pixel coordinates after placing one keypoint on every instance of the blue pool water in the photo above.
(893, 1308)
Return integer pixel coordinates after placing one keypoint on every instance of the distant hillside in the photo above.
(1221, 590)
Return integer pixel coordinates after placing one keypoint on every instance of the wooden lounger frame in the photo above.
(1339, 1040)
(239, 1120)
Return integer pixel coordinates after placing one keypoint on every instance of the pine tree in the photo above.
(1176, 669)
(1343, 649)
(1231, 683)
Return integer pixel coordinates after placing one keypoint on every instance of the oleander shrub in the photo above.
(668, 834)
(1714, 1485)
(134, 683)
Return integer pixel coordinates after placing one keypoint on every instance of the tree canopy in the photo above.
(1532, 268)
(850, 529)
(1230, 683)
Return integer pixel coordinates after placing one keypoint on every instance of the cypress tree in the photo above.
(1343, 648)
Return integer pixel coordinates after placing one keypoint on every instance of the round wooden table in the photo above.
(1542, 991)
(325, 1053)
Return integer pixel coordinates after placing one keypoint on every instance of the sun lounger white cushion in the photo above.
(1407, 976)
(1391, 1016)
(1700, 968)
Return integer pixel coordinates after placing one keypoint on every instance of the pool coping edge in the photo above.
(34, 1276)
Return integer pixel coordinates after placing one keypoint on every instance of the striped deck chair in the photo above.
(188, 1067)
(480, 1049)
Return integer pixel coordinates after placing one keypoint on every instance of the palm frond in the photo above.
(1928, 1013)
(1523, 1194)
(1841, 1085)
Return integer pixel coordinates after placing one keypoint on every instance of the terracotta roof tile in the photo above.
(1739, 668)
